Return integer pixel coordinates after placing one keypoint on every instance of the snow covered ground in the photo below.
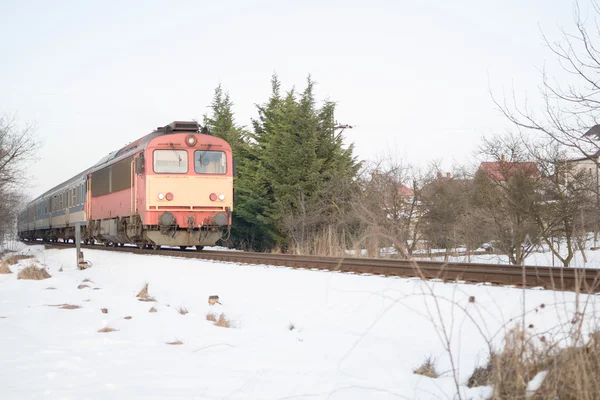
(295, 334)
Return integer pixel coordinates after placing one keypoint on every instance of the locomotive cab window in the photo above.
(210, 162)
(170, 161)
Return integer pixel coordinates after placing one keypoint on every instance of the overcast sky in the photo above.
(412, 76)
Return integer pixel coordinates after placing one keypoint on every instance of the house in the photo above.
(502, 170)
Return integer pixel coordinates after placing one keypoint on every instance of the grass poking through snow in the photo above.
(34, 273)
(12, 260)
(143, 294)
(221, 321)
(65, 306)
(4, 269)
(427, 369)
(175, 342)
(182, 310)
(152, 310)
(107, 329)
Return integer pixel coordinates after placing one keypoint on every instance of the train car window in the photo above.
(170, 161)
(210, 162)
(101, 182)
(121, 175)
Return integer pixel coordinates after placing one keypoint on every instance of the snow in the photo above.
(353, 336)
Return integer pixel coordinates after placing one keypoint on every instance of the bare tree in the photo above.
(18, 146)
(506, 192)
(390, 207)
(567, 210)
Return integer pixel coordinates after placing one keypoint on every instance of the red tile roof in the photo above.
(504, 169)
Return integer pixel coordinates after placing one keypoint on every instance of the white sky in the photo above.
(412, 76)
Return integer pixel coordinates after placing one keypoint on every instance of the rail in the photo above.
(584, 280)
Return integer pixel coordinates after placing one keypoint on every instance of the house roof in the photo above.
(405, 190)
(502, 169)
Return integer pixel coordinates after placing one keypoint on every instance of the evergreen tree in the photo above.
(291, 165)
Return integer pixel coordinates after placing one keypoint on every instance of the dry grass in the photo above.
(4, 269)
(60, 269)
(152, 310)
(572, 372)
(86, 280)
(34, 273)
(82, 286)
(128, 317)
(482, 376)
(427, 369)
(107, 329)
(143, 294)
(182, 310)
(104, 310)
(211, 317)
(12, 260)
(291, 326)
(50, 288)
(65, 306)
(175, 342)
(221, 321)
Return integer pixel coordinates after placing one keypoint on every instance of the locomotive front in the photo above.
(187, 187)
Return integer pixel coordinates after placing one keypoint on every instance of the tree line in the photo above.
(299, 189)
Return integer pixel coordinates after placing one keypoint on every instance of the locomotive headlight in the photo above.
(190, 140)
(221, 197)
(161, 196)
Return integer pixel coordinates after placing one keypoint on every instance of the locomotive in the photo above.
(171, 187)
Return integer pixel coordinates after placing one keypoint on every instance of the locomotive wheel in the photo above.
(141, 245)
(183, 247)
(156, 247)
(199, 248)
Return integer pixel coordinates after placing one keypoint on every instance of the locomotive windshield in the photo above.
(210, 162)
(170, 161)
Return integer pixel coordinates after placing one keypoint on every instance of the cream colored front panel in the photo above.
(188, 191)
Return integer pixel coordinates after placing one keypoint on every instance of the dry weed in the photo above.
(482, 376)
(175, 342)
(291, 326)
(128, 317)
(12, 260)
(65, 306)
(34, 273)
(104, 310)
(571, 372)
(60, 269)
(223, 322)
(427, 369)
(143, 294)
(86, 280)
(182, 310)
(82, 286)
(211, 317)
(107, 329)
(4, 269)
(152, 309)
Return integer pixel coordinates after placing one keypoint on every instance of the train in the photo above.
(170, 187)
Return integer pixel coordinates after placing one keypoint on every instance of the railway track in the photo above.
(585, 280)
